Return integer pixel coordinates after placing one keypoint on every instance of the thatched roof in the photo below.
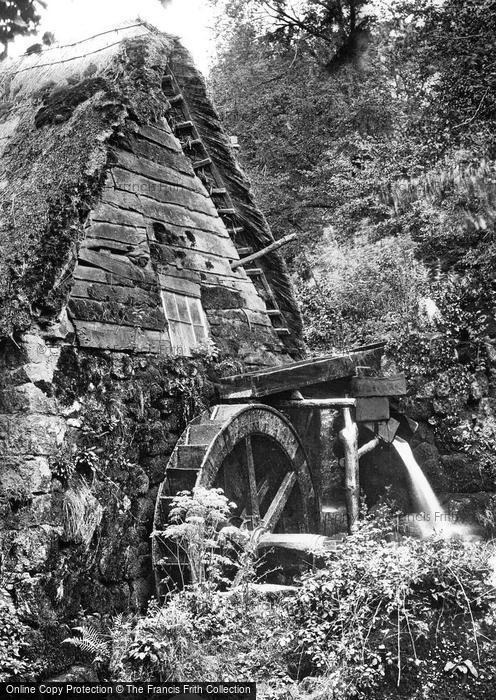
(59, 111)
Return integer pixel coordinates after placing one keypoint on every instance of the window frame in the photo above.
(177, 324)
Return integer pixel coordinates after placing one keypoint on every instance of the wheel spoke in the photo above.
(255, 506)
(275, 509)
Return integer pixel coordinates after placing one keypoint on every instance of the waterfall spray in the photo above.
(434, 517)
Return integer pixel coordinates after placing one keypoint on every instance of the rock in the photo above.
(462, 472)
(471, 508)
(30, 550)
(31, 435)
(146, 510)
(60, 330)
(419, 409)
(119, 552)
(142, 590)
(71, 411)
(42, 359)
(104, 599)
(25, 475)
(426, 452)
(27, 397)
(424, 434)
(76, 674)
(18, 515)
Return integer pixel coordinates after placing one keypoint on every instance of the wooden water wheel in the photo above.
(254, 454)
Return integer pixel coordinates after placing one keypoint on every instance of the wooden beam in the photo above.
(316, 403)
(349, 437)
(281, 498)
(379, 386)
(299, 542)
(260, 253)
(368, 447)
(296, 375)
(261, 493)
(373, 408)
(387, 431)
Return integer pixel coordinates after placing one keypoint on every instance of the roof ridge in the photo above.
(10, 73)
(54, 47)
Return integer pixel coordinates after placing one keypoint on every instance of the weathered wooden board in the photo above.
(110, 214)
(163, 192)
(120, 268)
(188, 275)
(375, 408)
(122, 234)
(200, 241)
(111, 337)
(298, 374)
(92, 274)
(160, 172)
(135, 315)
(155, 154)
(167, 213)
(161, 137)
(220, 296)
(112, 246)
(387, 430)
(160, 189)
(379, 386)
(180, 286)
(189, 259)
(131, 295)
(190, 456)
(245, 316)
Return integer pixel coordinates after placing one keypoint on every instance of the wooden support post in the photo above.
(260, 253)
(349, 438)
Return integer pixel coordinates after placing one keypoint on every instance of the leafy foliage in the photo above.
(382, 617)
(383, 613)
(90, 641)
(17, 18)
(13, 645)
(199, 525)
(357, 296)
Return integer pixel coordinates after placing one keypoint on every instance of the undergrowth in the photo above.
(381, 618)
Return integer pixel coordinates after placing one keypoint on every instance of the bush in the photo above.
(359, 293)
(199, 527)
(13, 645)
(383, 614)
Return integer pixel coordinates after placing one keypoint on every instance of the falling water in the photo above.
(433, 518)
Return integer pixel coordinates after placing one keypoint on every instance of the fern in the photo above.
(90, 641)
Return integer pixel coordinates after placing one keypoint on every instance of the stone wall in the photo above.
(85, 436)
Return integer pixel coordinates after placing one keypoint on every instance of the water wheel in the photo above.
(254, 454)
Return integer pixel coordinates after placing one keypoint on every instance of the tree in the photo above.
(313, 142)
(17, 18)
(450, 50)
(334, 32)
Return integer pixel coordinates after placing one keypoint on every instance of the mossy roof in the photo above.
(59, 109)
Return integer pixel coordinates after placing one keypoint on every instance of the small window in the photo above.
(187, 322)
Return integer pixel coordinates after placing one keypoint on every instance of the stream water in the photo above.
(431, 518)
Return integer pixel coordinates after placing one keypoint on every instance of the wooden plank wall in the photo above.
(157, 228)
